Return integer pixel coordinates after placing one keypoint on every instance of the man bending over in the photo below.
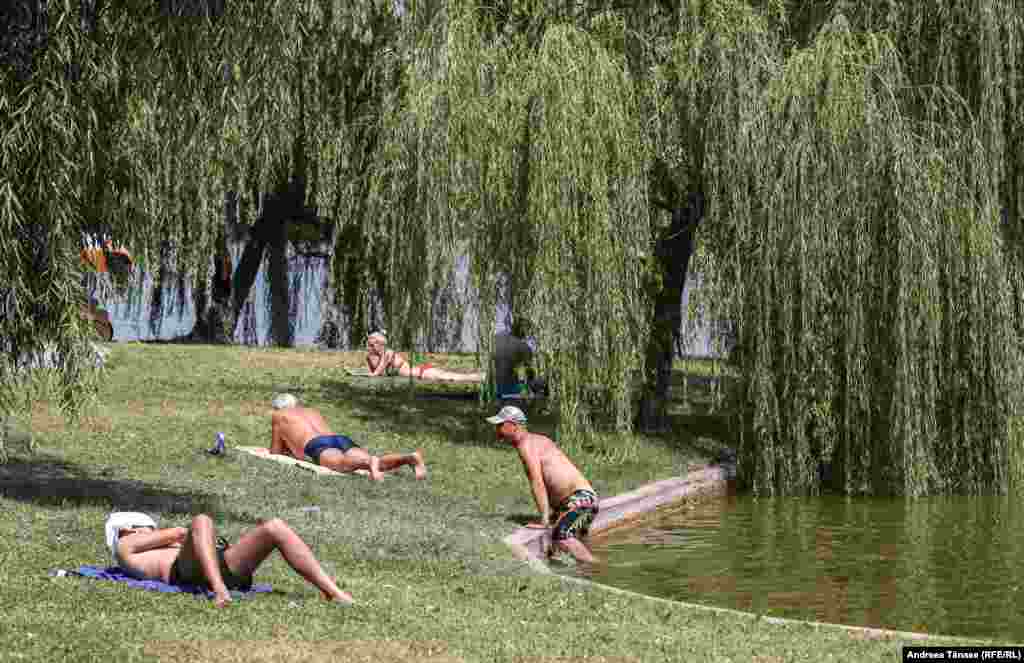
(300, 431)
(195, 556)
(554, 480)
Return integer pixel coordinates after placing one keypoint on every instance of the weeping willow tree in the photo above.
(258, 109)
(855, 160)
(854, 229)
(539, 171)
(408, 225)
(140, 124)
(55, 79)
(855, 168)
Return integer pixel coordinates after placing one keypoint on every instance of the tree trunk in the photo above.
(231, 289)
(277, 268)
(214, 320)
(23, 34)
(245, 274)
(672, 251)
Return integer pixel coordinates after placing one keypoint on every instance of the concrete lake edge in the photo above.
(528, 545)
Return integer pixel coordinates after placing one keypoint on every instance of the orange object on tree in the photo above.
(103, 259)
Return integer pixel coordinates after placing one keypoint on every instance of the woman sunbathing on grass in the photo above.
(382, 361)
(195, 555)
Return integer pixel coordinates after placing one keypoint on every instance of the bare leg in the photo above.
(577, 549)
(201, 545)
(359, 459)
(256, 545)
(350, 461)
(449, 376)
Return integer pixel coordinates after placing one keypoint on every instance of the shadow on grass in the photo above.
(521, 519)
(442, 410)
(52, 482)
(451, 411)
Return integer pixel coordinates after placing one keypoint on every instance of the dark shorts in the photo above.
(575, 515)
(319, 444)
(188, 572)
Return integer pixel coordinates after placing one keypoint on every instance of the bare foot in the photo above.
(375, 473)
(344, 598)
(221, 599)
(333, 593)
(421, 467)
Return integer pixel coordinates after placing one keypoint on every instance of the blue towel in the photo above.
(118, 575)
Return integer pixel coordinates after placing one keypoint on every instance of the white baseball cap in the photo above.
(508, 413)
(120, 520)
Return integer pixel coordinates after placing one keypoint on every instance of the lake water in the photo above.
(952, 566)
(129, 311)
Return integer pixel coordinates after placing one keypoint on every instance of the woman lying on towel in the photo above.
(382, 361)
(196, 556)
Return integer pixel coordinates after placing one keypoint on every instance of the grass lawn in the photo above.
(424, 560)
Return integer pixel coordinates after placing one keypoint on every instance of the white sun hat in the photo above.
(120, 520)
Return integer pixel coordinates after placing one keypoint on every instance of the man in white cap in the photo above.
(196, 556)
(566, 500)
(301, 431)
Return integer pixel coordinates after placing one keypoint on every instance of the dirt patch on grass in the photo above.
(259, 408)
(301, 651)
(215, 409)
(134, 407)
(576, 659)
(95, 424)
(46, 418)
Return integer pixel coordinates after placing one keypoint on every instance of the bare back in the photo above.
(561, 477)
(293, 427)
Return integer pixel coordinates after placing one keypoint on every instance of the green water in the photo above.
(952, 566)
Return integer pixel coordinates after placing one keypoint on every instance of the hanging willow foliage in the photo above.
(268, 98)
(589, 216)
(869, 282)
(46, 156)
(862, 165)
(143, 125)
(548, 171)
(408, 226)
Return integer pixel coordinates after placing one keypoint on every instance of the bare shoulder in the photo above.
(307, 413)
(537, 445)
(539, 441)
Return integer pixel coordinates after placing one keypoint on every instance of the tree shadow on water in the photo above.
(48, 481)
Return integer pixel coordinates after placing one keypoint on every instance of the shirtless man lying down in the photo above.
(300, 431)
(195, 555)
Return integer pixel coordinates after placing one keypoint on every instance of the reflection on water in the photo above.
(942, 565)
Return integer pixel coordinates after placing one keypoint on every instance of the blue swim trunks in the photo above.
(318, 444)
